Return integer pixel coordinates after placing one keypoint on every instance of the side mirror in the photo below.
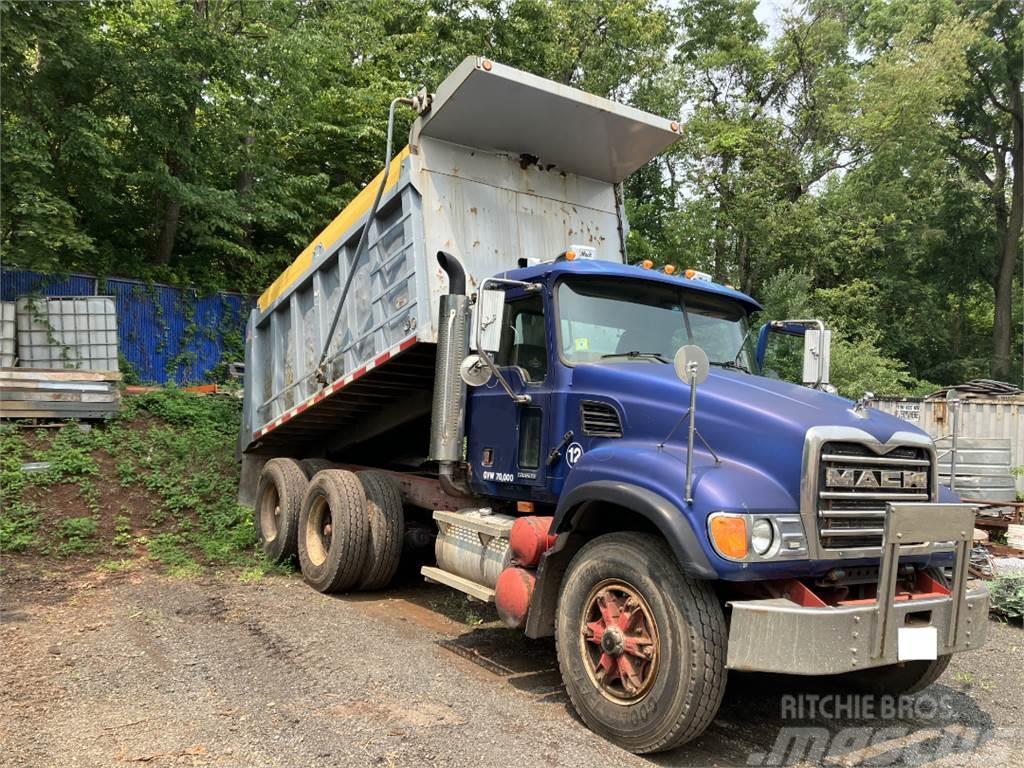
(487, 314)
(817, 347)
(817, 356)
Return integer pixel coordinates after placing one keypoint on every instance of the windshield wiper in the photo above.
(635, 354)
(729, 364)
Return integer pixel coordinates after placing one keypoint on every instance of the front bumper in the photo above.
(779, 635)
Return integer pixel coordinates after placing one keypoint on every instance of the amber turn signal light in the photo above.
(729, 535)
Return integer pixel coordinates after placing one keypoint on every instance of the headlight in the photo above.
(762, 535)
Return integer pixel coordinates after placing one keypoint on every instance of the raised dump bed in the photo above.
(502, 165)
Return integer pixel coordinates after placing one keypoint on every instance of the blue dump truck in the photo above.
(463, 363)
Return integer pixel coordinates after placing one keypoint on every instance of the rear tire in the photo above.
(387, 524)
(312, 466)
(279, 495)
(672, 636)
(333, 530)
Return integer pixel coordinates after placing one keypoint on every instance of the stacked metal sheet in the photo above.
(33, 393)
(979, 388)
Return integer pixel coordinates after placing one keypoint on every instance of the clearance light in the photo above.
(670, 269)
(525, 507)
(646, 263)
(570, 255)
(729, 535)
(486, 64)
(693, 274)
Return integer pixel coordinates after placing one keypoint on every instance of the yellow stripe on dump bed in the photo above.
(342, 223)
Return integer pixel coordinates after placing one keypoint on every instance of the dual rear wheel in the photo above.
(345, 527)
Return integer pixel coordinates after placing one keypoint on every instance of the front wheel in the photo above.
(898, 679)
(641, 646)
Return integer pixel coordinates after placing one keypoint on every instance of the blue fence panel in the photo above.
(15, 283)
(166, 334)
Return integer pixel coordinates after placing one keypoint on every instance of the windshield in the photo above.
(604, 320)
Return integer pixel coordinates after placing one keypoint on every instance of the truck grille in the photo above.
(854, 484)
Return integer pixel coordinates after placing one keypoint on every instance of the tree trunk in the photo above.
(164, 246)
(243, 186)
(1008, 228)
(721, 236)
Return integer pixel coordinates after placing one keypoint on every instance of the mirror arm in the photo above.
(485, 355)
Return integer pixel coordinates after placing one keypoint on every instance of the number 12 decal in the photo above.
(573, 454)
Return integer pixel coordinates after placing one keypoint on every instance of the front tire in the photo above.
(898, 679)
(641, 646)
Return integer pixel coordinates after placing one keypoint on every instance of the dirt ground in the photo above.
(142, 669)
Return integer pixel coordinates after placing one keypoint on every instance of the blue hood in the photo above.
(754, 421)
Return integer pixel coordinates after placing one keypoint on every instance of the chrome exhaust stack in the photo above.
(447, 427)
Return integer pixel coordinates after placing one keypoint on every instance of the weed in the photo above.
(19, 520)
(1007, 596)
(251, 575)
(78, 534)
(169, 549)
(187, 570)
(69, 456)
(122, 532)
(458, 607)
(964, 678)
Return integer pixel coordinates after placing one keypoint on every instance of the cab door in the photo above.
(506, 441)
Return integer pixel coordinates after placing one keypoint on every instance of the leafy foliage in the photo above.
(876, 147)
(1007, 596)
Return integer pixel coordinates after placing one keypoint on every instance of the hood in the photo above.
(756, 421)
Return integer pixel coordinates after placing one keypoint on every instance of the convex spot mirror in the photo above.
(474, 372)
(689, 361)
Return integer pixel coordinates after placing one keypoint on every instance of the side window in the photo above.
(523, 337)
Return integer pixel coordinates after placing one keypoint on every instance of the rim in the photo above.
(270, 513)
(619, 642)
(318, 531)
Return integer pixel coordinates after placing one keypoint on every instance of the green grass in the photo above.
(176, 447)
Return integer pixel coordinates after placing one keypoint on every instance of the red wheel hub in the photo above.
(619, 639)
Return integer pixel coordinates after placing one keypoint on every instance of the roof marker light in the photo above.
(646, 263)
(670, 269)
